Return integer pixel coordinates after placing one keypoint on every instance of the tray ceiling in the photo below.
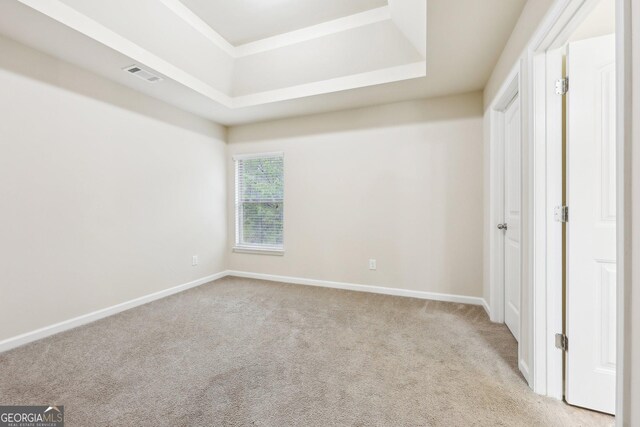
(244, 21)
(349, 54)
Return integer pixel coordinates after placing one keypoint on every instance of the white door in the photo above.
(512, 217)
(591, 229)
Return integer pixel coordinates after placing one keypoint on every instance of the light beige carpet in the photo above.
(242, 352)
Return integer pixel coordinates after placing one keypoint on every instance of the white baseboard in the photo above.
(28, 337)
(486, 307)
(66, 325)
(363, 288)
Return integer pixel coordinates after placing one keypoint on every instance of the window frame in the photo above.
(254, 248)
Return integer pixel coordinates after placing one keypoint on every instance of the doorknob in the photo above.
(502, 226)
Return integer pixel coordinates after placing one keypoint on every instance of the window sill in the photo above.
(258, 251)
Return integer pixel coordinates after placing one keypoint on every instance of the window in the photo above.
(259, 203)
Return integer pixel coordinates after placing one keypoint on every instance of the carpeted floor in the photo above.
(240, 352)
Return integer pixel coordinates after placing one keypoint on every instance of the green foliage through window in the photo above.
(259, 201)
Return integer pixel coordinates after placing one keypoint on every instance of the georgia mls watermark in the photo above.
(32, 416)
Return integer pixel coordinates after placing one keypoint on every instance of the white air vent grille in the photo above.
(143, 74)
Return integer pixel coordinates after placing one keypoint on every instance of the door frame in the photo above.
(541, 126)
(497, 179)
(627, 51)
(545, 183)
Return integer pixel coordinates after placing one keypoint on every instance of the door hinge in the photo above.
(562, 342)
(561, 213)
(562, 86)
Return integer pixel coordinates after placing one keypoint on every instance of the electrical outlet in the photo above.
(194, 260)
(372, 264)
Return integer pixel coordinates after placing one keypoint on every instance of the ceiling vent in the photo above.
(143, 74)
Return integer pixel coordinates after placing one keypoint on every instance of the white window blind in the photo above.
(259, 201)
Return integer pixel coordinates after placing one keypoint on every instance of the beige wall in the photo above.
(401, 183)
(106, 194)
(528, 22)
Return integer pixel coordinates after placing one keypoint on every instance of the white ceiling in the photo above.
(244, 21)
(464, 39)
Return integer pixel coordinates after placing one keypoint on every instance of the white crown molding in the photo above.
(286, 39)
(346, 23)
(370, 78)
(177, 7)
(66, 325)
(70, 17)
